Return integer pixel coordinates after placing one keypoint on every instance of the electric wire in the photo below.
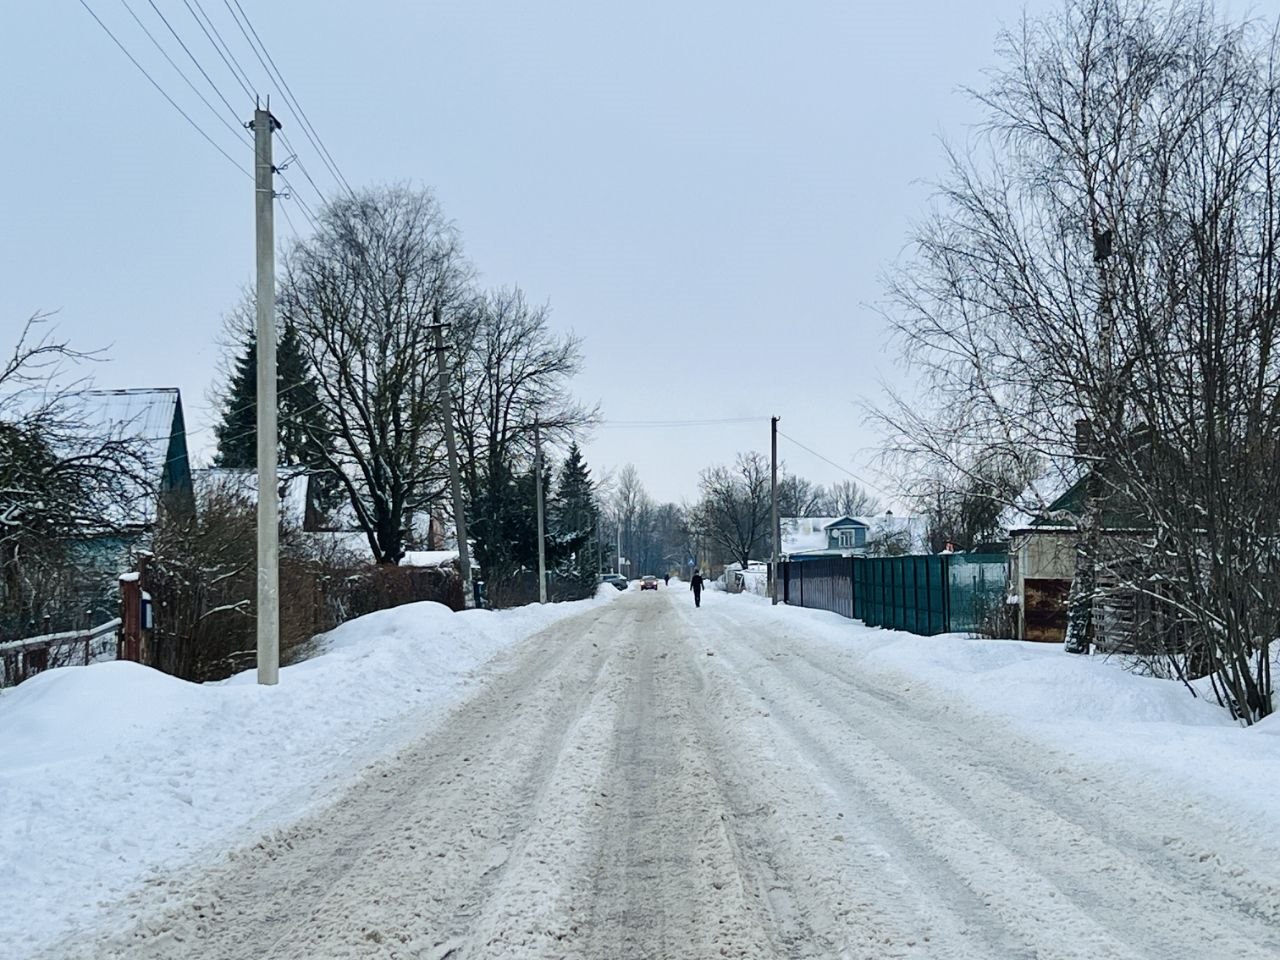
(289, 220)
(298, 106)
(290, 101)
(199, 66)
(705, 422)
(159, 89)
(302, 204)
(827, 460)
(222, 48)
(302, 166)
(235, 132)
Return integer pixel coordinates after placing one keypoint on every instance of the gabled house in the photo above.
(148, 423)
(151, 423)
(805, 538)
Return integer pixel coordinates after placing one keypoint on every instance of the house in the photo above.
(149, 424)
(805, 538)
(1042, 559)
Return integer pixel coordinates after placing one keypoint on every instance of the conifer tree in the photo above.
(574, 518)
(301, 417)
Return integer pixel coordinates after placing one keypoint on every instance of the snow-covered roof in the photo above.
(428, 558)
(149, 421)
(242, 482)
(810, 534)
(802, 534)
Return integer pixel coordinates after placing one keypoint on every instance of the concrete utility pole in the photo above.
(773, 497)
(542, 539)
(618, 562)
(455, 480)
(264, 125)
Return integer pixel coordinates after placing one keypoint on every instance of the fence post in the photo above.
(945, 573)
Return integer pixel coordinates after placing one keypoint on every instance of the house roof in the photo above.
(242, 482)
(845, 522)
(150, 421)
(809, 534)
(1069, 507)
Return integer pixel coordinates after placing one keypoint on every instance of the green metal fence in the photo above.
(929, 594)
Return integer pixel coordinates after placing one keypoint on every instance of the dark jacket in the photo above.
(695, 583)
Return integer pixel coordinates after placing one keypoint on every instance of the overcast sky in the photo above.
(707, 193)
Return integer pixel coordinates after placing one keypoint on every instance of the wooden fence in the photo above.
(21, 659)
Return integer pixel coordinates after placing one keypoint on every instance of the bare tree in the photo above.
(631, 505)
(362, 293)
(63, 477)
(847, 499)
(735, 506)
(1095, 296)
(798, 497)
(509, 369)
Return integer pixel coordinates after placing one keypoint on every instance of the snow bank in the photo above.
(112, 772)
(1087, 706)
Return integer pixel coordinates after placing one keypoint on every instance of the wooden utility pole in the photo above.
(542, 539)
(263, 126)
(773, 497)
(455, 479)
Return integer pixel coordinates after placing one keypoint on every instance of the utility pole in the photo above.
(264, 125)
(455, 481)
(618, 530)
(773, 496)
(542, 539)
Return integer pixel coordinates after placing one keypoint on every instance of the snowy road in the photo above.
(648, 780)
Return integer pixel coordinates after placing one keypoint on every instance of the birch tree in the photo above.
(1095, 296)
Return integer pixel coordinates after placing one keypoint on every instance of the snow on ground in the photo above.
(1088, 706)
(112, 773)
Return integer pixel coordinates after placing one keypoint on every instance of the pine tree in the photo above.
(301, 417)
(574, 521)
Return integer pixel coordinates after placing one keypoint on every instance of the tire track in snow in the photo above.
(919, 768)
(647, 780)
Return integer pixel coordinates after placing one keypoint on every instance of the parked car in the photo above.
(614, 579)
(650, 582)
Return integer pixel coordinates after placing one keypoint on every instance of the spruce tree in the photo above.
(574, 520)
(238, 429)
(301, 417)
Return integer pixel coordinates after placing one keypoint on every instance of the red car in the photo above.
(649, 583)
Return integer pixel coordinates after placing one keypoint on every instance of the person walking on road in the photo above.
(695, 584)
(666, 579)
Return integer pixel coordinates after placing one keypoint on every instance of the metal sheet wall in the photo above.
(925, 594)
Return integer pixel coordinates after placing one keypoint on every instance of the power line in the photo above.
(232, 110)
(164, 53)
(286, 93)
(221, 47)
(301, 166)
(289, 220)
(678, 423)
(302, 115)
(159, 89)
(302, 204)
(827, 460)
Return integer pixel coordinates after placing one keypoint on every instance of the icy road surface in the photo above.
(648, 780)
